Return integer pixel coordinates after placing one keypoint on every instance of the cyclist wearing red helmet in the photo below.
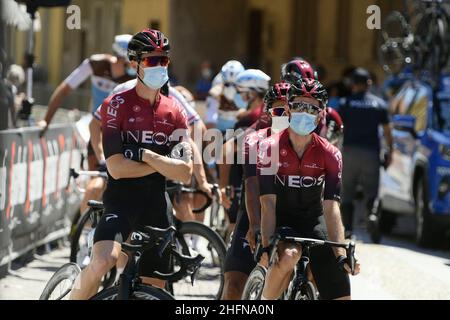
(140, 129)
(331, 127)
(239, 261)
(296, 70)
(303, 195)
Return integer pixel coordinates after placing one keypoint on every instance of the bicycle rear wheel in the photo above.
(61, 283)
(255, 283)
(140, 292)
(195, 238)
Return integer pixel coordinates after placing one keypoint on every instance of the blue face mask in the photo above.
(302, 123)
(239, 102)
(131, 71)
(155, 77)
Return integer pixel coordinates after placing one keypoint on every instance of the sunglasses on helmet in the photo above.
(304, 107)
(154, 61)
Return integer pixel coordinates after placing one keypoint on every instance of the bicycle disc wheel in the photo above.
(140, 292)
(61, 283)
(194, 238)
(255, 283)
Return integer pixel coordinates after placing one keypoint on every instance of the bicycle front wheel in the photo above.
(255, 283)
(61, 283)
(140, 292)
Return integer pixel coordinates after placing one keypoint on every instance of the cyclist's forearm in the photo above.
(173, 169)
(333, 221)
(268, 218)
(120, 167)
(95, 129)
(56, 100)
(252, 202)
(225, 167)
(199, 170)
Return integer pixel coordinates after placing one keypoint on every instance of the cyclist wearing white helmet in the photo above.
(221, 110)
(251, 86)
(106, 71)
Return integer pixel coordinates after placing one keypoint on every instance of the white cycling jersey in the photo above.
(192, 115)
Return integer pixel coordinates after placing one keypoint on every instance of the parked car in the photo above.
(417, 182)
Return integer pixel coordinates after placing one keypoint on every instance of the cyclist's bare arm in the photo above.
(252, 202)
(95, 129)
(173, 169)
(55, 102)
(199, 170)
(268, 218)
(333, 221)
(224, 167)
(120, 167)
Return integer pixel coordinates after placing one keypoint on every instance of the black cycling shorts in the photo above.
(118, 222)
(331, 281)
(239, 256)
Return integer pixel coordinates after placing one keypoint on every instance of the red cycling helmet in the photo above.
(331, 126)
(146, 41)
(277, 92)
(295, 70)
(309, 88)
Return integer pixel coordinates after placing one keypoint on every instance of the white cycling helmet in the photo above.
(252, 79)
(120, 45)
(230, 70)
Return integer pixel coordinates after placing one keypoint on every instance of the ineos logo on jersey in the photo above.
(299, 181)
(159, 138)
(111, 111)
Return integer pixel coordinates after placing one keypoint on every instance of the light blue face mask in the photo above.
(302, 123)
(131, 71)
(155, 77)
(239, 102)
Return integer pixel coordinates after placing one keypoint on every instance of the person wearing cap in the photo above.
(106, 71)
(362, 113)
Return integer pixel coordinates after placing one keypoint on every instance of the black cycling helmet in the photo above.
(277, 92)
(309, 88)
(148, 40)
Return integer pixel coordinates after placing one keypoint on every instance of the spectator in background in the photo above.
(15, 78)
(362, 114)
(203, 84)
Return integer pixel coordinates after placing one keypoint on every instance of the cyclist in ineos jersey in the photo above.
(239, 261)
(299, 178)
(141, 128)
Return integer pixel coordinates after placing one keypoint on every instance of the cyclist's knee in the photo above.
(104, 259)
(289, 259)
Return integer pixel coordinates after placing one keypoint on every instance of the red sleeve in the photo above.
(333, 174)
(181, 122)
(111, 126)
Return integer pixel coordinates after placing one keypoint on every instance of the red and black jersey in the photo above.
(128, 119)
(299, 183)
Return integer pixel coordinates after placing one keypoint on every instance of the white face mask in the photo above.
(279, 123)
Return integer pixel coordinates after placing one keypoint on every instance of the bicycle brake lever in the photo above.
(351, 256)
